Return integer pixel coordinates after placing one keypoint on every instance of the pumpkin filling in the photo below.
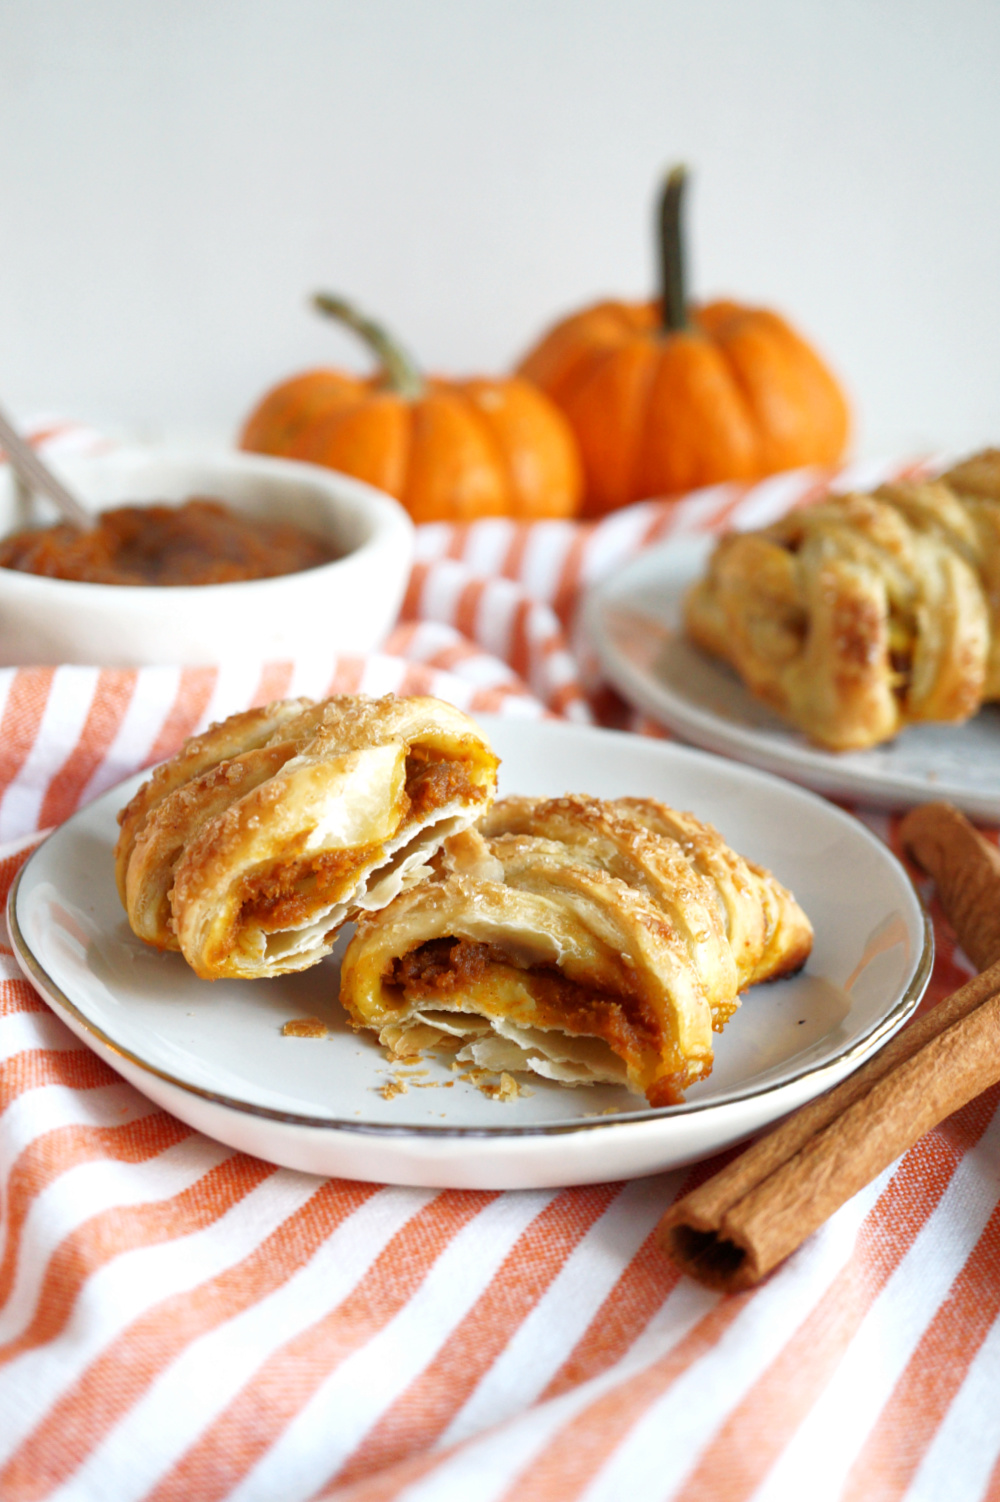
(287, 896)
(525, 1006)
(900, 651)
(291, 904)
(431, 785)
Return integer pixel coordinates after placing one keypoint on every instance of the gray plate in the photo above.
(633, 621)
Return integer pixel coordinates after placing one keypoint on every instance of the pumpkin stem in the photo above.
(670, 243)
(400, 372)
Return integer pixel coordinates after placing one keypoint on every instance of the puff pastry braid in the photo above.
(581, 939)
(865, 613)
(250, 848)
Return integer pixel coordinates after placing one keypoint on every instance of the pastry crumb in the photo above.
(474, 1076)
(506, 1088)
(392, 1088)
(305, 1027)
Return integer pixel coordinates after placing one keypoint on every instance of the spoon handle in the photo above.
(26, 463)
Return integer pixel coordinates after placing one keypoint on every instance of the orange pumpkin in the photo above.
(449, 450)
(664, 397)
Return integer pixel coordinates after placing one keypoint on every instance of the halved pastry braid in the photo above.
(581, 939)
(250, 848)
(865, 613)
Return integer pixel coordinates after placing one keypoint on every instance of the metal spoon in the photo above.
(37, 476)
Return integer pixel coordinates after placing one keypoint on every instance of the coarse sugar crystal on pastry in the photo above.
(580, 939)
(863, 614)
(250, 848)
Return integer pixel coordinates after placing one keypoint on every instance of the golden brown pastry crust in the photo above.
(865, 613)
(585, 940)
(250, 848)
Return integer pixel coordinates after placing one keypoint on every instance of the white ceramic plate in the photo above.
(633, 620)
(214, 1055)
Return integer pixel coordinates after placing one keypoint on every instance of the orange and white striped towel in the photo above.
(180, 1321)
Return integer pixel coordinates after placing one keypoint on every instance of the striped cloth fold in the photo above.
(179, 1320)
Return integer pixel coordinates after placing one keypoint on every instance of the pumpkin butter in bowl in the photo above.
(194, 560)
(200, 541)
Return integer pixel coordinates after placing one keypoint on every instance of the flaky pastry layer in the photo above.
(865, 613)
(250, 848)
(584, 940)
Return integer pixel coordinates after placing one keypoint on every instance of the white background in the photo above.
(178, 175)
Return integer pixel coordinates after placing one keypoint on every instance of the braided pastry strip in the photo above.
(250, 848)
(581, 939)
(863, 614)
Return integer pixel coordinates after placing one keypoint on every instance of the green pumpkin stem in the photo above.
(400, 372)
(670, 243)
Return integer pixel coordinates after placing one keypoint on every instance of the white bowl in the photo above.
(344, 606)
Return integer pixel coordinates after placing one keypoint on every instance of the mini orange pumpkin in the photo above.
(664, 397)
(449, 450)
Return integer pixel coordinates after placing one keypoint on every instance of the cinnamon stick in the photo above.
(734, 1229)
(966, 871)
